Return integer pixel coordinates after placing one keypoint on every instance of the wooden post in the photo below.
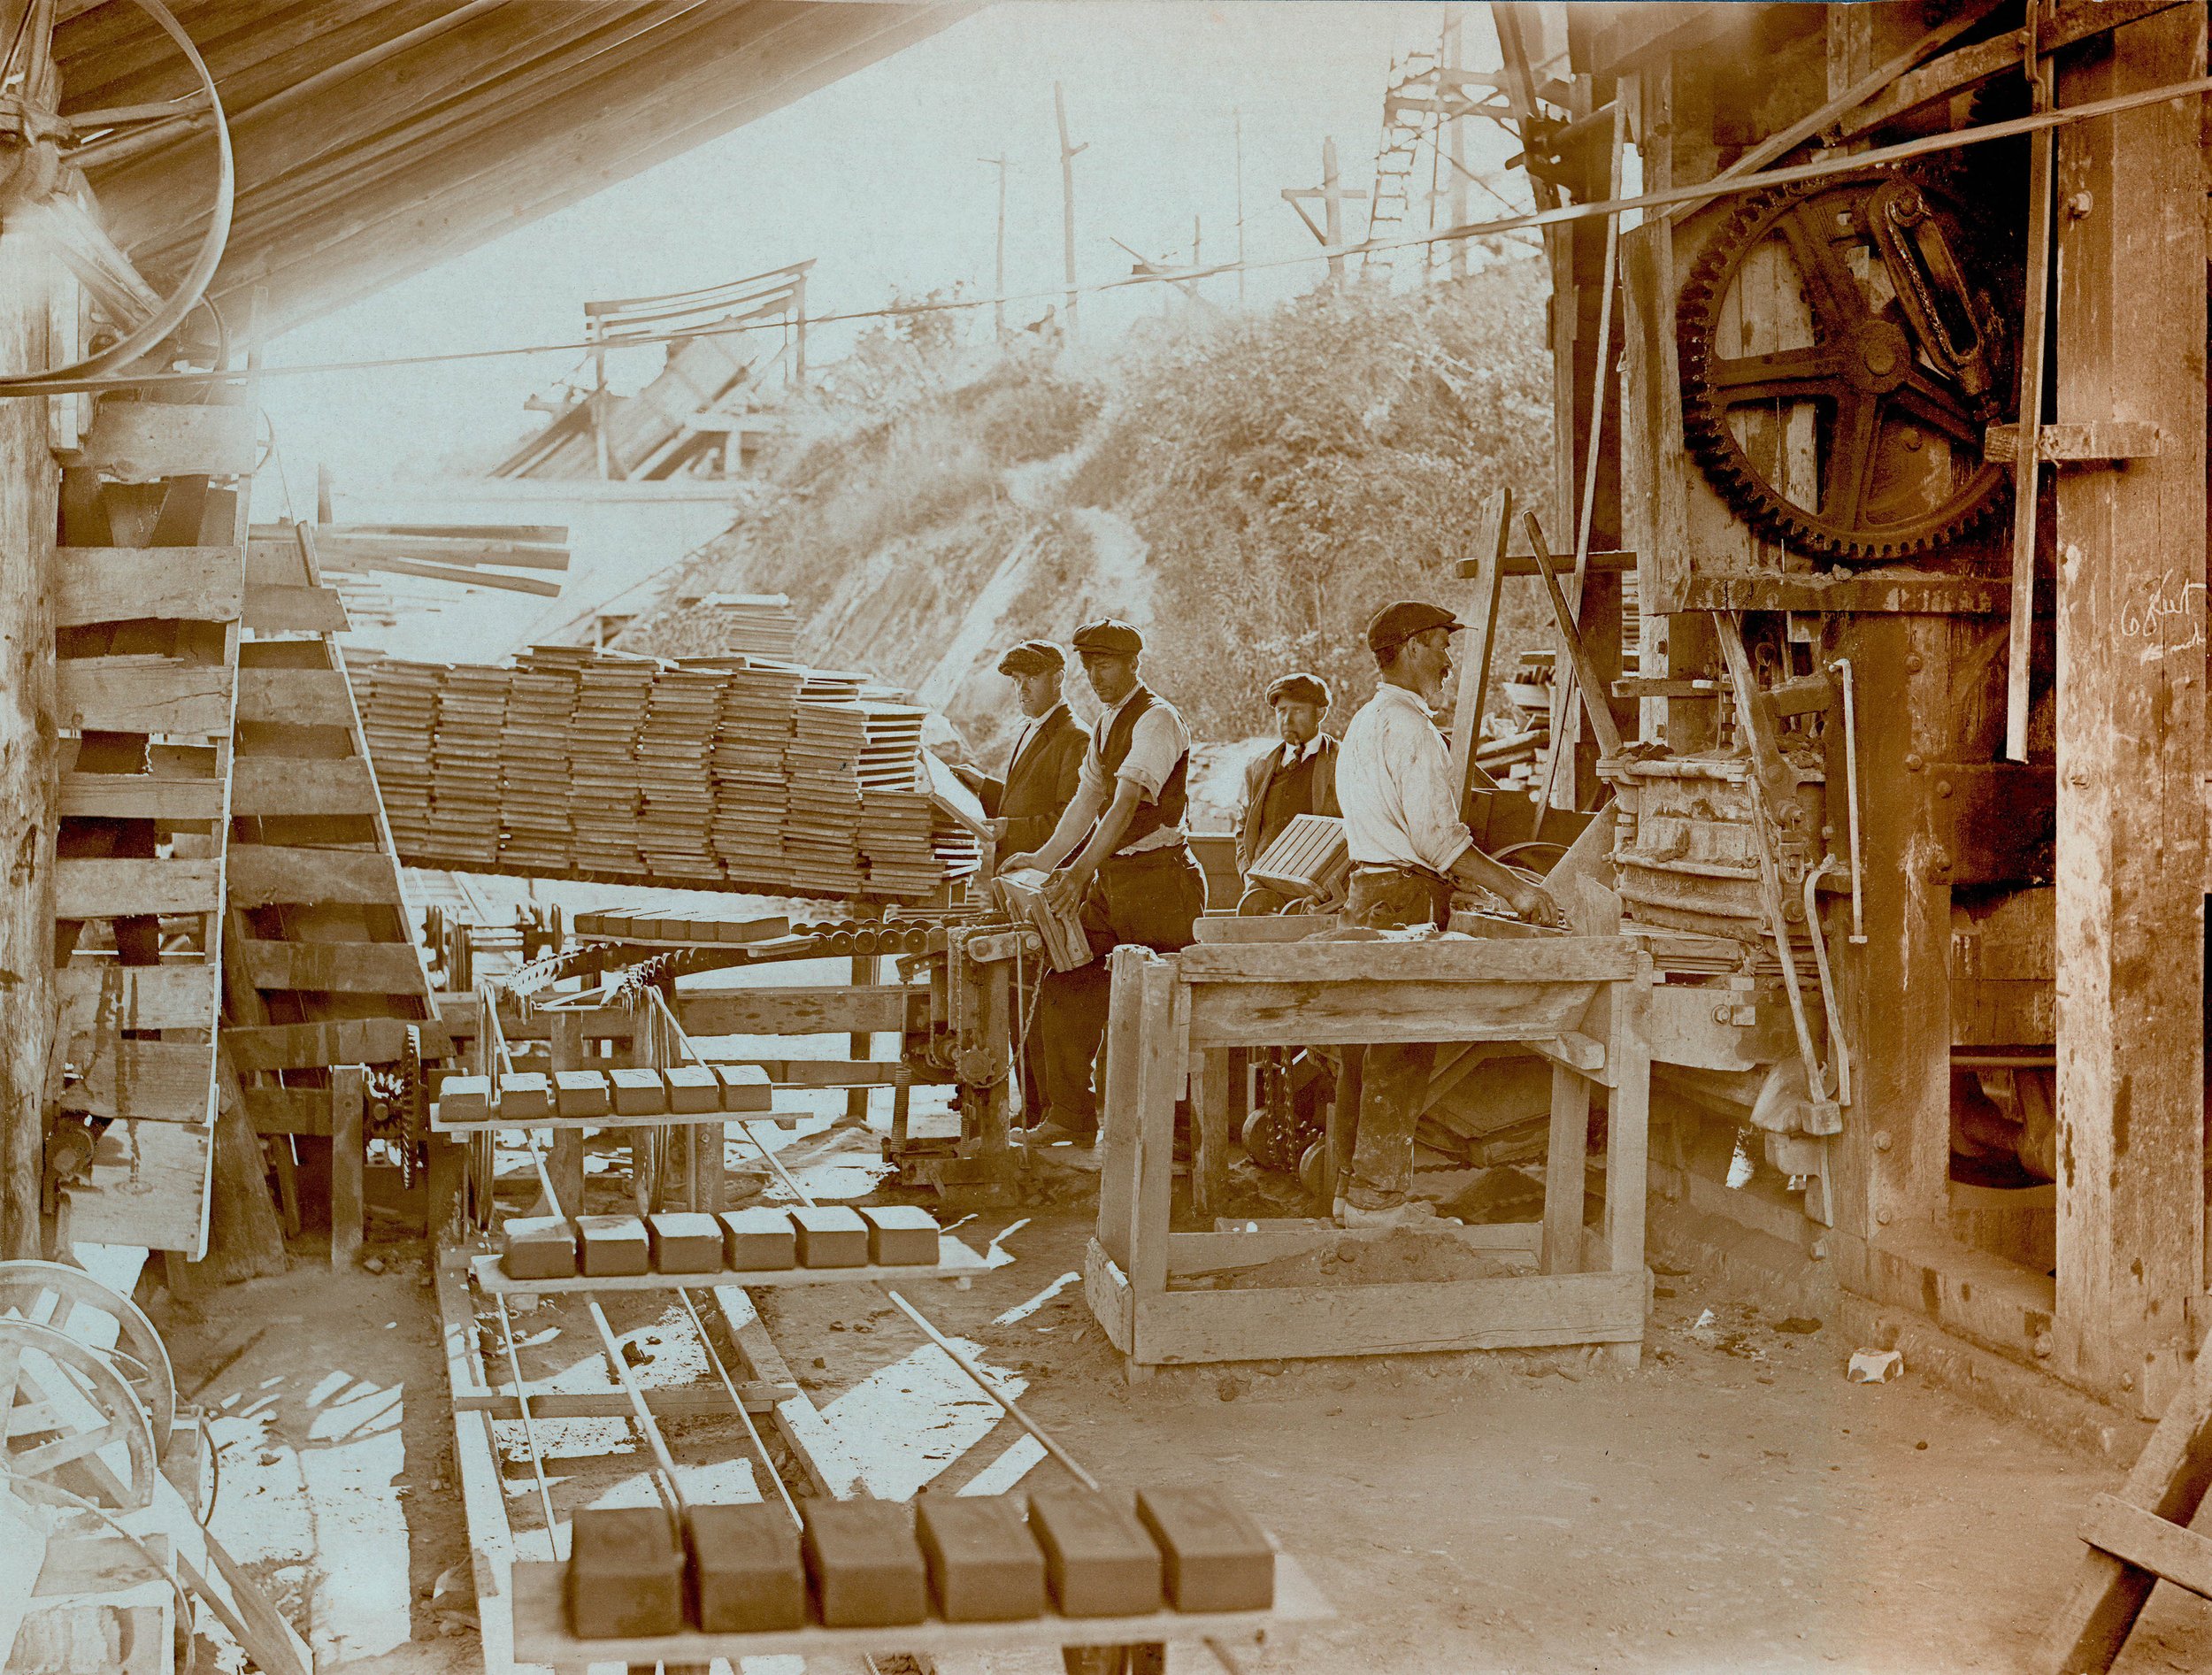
(348, 1194)
(1627, 1139)
(2131, 345)
(1491, 537)
(1068, 154)
(1209, 1134)
(1565, 1163)
(564, 1164)
(28, 485)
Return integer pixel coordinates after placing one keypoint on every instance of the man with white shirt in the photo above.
(1297, 777)
(1133, 879)
(1409, 848)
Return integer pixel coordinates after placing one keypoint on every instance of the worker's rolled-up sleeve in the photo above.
(1156, 744)
(1424, 763)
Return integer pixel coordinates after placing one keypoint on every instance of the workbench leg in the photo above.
(565, 1165)
(1209, 1135)
(713, 1144)
(1564, 1162)
(445, 1208)
(288, 1185)
(348, 1187)
(863, 974)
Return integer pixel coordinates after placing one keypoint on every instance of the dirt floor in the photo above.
(1734, 1504)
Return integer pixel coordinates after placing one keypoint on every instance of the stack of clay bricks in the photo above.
(523, 1097)
(760, 1240)
(675, 781)
(865, 1563)
(821, 832)
(537, 835)
(613, 694)
(465, 761)
(751, 792)
(399, 708)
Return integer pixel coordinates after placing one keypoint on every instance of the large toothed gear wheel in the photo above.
(1839, 368)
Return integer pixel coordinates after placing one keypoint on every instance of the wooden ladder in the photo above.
(148, 599)
(321, 968)
(2141, 1537)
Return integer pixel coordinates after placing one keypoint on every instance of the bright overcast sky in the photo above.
(876, 178)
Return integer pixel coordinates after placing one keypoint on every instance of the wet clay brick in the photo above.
(744, 1086)
(614, 1245)
(1215, 1558)
(1099, 1561)
(984, 1565)
(465, 1099)
(831, 1236)
(638, 1092)
(694, 1090)
(747, 1576)
(900, 1236)
(581, 1092)
(526, 1096)
(626, 1573)
(685, 1241)
(865, 1564)
(759, 1238)
(538, 1247)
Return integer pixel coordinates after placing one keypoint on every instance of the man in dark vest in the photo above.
(1048, 755)
(1297, 777)
(1135, 879)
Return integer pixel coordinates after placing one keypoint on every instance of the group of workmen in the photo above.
(1102, 810)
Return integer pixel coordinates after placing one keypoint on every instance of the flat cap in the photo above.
(1394, 625)
(1109, 636)
(1299, 688)
(1033, 656)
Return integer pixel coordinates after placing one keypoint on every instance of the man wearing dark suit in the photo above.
(1297, 777)
(1047, 757)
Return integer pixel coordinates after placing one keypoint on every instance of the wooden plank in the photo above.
(2169, 1480)
(142, 695)
(1117, 1104)
(159, 1081)
(286, 785)
(546, 1404)
(1491, 535)
(812, 1440)
(881, 1008)
(178, 799)
(276, 561)
(139, 442)
(1563, 1172)
(500, 580)
(1567, 959)
(182, 996)
(1190, 1254)
(347, 968)
(2131, 729)
(266, 874)
(288, 1110)
(2149, 1542)
(1305, 1322)
(541, 1633)
(119, 889)
(1627, 1148)
(1160, 1060)
(353, 1040)
(335, 542)
(1280, 1014)
(1209, 1134)
(271, 608)
(120, 584)
(348, 1188)
(1112, 1300)
(149, 1186)
(301, 697)
(476, 1459)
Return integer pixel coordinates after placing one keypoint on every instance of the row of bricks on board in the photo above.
(529, 1096)
(753, 1241)
(866, 1563)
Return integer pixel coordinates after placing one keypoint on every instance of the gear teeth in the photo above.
(1705, 431)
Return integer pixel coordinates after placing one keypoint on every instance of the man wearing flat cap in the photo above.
(1133, 878)
(1297, 777)
(1048, 755)
(1408, 848)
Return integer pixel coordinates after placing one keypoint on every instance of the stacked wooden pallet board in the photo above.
(320, 966)
(725, 772)
(151, 585)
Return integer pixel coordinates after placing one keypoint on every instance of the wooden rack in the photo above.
(1577, 1001)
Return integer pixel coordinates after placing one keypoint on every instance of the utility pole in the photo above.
(1068, 154)
(1333, 195)
(1238, 114)
(998, 270)
(1449, 95)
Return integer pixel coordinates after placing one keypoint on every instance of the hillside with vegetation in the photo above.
(1247, 489)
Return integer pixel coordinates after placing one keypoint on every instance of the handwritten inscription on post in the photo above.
(2168, 619)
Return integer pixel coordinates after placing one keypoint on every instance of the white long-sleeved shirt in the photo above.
(1393, 779)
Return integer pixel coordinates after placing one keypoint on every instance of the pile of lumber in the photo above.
(727, 773)
(511, 558)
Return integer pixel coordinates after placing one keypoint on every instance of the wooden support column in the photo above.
(28, 485)
(2130, 346)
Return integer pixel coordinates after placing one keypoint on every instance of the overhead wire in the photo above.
(1564, 214)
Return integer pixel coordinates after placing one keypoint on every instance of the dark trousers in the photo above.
(1393, 1078)
(1152, 899)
